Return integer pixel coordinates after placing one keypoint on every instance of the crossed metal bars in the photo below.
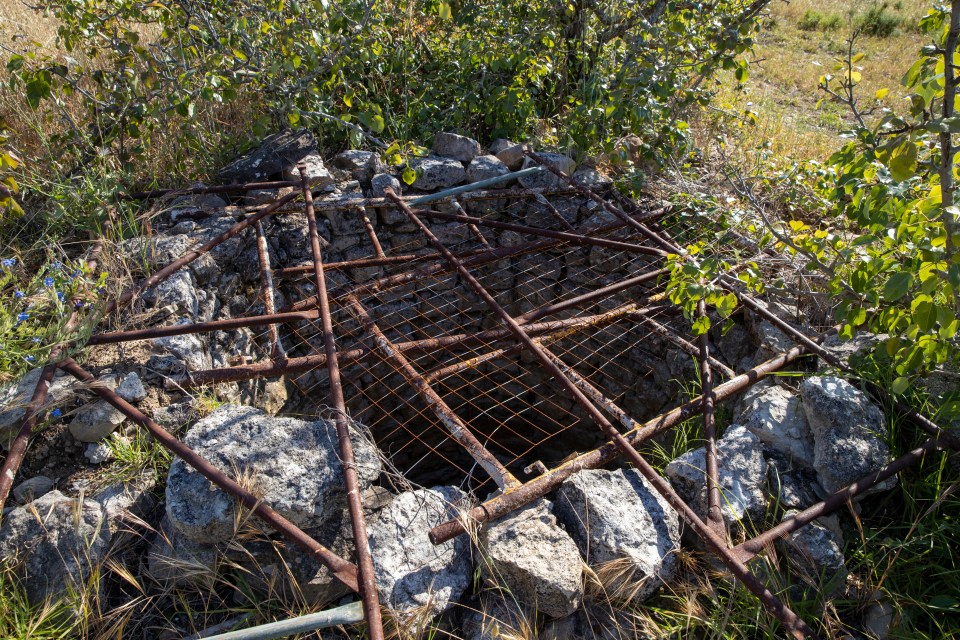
(526, 332)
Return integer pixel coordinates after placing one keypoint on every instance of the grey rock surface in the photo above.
(546, 179)
(849, 433)
(127, 503)
(381, 182)
(791, 486)
(188, 349)
(362, 165)
(512, 156)
(412, 573)
(15, 397)
(616, 516)
(437, 173)
(32, 488)
(536, 559)
(318, 175)
(178, 291)
(98, 452)
(131, 388)
(855, 348)
(775, 416)
(815, 553)
(484, 168)
(295, 464)
(451, 145)
(878, 618)
(95, 421)
(497, 618)
(592, 179)
(176, 559)
(271, 157)
(55, 542)
(743, 476)
(499, 145)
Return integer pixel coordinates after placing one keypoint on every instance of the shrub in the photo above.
(878, 22)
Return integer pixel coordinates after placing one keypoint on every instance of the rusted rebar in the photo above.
(714, 512)
(225, 188)
(267, 293)
(447, 416)
(228, 324)
(368, 585)
(340, 568)
(795, 625)
(665, 333)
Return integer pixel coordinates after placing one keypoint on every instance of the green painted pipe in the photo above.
(475, 185)
(347, 614)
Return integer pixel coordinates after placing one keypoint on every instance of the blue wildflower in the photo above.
(75, 275)
(35, 340)
(8, 262)
(78, 304)
(56, 413)
(60, 296)
(57, 265)
(18, 294)
(48, 281)
(28, 358)
(23, 316)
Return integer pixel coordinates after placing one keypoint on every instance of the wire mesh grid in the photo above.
(457, 344)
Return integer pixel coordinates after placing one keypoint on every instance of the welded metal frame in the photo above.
(520, 333)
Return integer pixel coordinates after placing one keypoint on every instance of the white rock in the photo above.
(32, 488)
(775, 416)
(451, 145)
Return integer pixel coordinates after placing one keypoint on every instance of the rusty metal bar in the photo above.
(556, 214)
(665, 333)
(573, 238)
(225, 188)
(368, 584)
(714, 512)
(596, 294)
(542, 485)
(455, 203)
(369, 262)
(797, 627)
(617, 211)
(267, 293)
(193, 254)
(371, 233)
(18, 448)
(340, 568)
(202, 327)
(750, 548)
(447, 416)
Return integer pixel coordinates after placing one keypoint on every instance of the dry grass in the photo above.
(789, 61)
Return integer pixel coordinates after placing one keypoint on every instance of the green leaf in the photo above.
(701, 325)
(897, 285)
(726, 305)
(882, 93)
(408, 176)
(903, 161)
(37, 89)
(900, 385)
(444, 11)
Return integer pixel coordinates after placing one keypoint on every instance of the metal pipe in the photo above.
(573, 238)
(447, 416)
(368, 262)
(474, 186)
(371, 233)
(556, 214)
(542, 485)
(266, 281)
(368, 585)
(596, 294)
(617, 211)
(347, 614)
(797, 627)
(202, 327)
(714, 513)
(340, 568)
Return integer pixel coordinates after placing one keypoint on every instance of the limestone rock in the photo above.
(274, 154)
(486, 167)
(849, 433)
(856, 347)
(791, 486)
(294, 463)
(96, 421)
(189, 349)
(616, 516)
(177, 559)
(592, 179)
(32, 488)
(535, 559)
(131, 388)
(98, 452)
(126, 503)
(743, 474)
(362, 165)
(177, 291)
(437, 173)
(546, 179)
(412, 573)
(500, 144)
(512, 156)
(774, 415)
(381, 182)
(450, 145)
(15, 397)
(56, 542)
(816, 554)
(317, 173)
(497, 618)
